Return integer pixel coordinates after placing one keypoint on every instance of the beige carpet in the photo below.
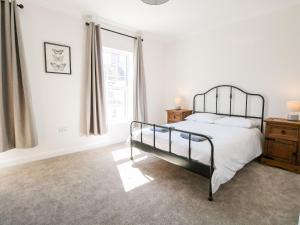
(103, 187)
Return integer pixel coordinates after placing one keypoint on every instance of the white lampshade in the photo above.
(293, 106)
(178, 101)
(155, 2)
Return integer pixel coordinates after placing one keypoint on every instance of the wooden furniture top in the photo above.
(179, 110)
(282, 121)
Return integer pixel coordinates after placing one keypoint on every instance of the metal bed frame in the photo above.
(188, 162)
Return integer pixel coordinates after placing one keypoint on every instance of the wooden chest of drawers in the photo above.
(176, 115)
(282, 144)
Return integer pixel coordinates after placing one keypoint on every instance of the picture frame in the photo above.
(57, 58)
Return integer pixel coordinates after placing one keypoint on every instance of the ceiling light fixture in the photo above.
(155, 2)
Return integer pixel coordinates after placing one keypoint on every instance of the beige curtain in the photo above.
(139, 98)
(17, 128)
(96, 119)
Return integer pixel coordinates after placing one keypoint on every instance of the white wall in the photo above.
(259, 55)
(58, 99)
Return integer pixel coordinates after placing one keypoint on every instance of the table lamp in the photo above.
(294, 109)
(178, 103)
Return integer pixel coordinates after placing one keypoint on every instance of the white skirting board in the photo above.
(40, 154)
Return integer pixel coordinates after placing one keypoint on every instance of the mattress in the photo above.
(234, 147)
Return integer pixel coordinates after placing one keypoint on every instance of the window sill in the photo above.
(116, 123)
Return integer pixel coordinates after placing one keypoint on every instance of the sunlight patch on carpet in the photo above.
(132, 177)
(124, 153)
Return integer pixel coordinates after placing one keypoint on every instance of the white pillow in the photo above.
(238, 122)
(203, 117)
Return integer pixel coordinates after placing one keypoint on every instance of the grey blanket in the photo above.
(160, 129)
(194, 138)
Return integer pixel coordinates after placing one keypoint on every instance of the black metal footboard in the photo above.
(186, 162)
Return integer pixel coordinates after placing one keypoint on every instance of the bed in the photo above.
(224, 148)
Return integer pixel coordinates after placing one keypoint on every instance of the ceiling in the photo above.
(177, 17)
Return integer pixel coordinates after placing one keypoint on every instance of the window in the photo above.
(118, 84)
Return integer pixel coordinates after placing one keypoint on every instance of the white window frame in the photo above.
(129, 56)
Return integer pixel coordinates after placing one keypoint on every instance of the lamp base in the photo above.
(293, 117)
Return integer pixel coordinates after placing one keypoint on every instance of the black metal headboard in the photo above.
(245, 114)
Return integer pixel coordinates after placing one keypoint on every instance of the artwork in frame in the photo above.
(57, 58)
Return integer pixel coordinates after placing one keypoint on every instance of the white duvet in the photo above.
(234, 147)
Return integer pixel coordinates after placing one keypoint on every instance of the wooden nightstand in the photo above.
(282, 144)
(176, 115)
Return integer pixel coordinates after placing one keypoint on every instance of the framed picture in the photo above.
(57, 58)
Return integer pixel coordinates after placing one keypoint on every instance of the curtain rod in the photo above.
(115, 32)
(21, 6)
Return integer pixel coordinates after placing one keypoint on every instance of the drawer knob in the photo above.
(283, 132)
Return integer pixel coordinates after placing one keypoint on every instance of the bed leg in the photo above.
(210, 197)
(131, 157)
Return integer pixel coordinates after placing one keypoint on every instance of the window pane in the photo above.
(117, 66)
